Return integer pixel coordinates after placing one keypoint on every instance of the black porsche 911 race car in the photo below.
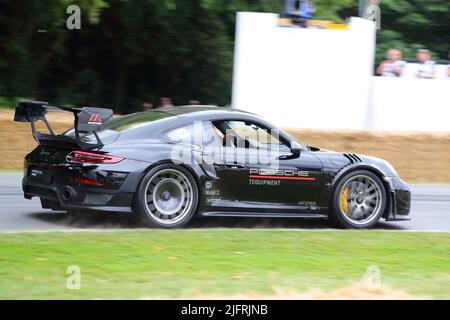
(167, 165)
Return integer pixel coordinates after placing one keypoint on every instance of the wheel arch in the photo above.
(347, 170)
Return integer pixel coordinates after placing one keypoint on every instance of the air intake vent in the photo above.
(352, 157)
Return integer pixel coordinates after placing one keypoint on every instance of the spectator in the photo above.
(448, 67)
(194, 102)
(426, 68)
(300, 11)
(166, 103)
(393, 65)
(147, 106)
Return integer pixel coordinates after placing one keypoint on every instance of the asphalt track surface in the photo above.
(430, 211)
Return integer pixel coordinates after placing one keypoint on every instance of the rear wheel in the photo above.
(167, 197)
(359, 200)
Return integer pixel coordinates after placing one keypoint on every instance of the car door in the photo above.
(258, 166)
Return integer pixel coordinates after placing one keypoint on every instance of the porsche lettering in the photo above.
(279, 172)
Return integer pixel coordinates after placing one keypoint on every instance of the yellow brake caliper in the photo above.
(344, 202)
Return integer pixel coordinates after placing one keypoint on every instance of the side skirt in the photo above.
(262, 215)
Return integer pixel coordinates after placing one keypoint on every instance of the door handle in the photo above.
(235, 165)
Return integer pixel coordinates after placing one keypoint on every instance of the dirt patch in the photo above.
(354, 292)
(418, 157)
(16, 138)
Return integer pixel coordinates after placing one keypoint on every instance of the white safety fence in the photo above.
(322, 79)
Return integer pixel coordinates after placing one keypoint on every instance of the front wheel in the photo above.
(167, 197)
(359, 200)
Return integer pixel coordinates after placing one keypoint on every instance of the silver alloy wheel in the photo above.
(360, 199)
(168, 196)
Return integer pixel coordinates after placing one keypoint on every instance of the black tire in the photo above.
(167, 197)
(353, 180)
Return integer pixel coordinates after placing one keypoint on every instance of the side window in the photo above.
(200, 133)
(182, 135)
(243, 134)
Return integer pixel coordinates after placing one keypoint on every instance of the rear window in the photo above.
(135, 120)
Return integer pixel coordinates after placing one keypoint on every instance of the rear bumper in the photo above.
(115, 194)
(399, 200)
(92, 200)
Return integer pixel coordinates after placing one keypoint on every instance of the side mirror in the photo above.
(296, 148)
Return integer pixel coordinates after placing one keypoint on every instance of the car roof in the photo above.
(202, 111)
(153, 122)
(158, 120)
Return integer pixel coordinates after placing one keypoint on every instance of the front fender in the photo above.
(398, 195)
(358, 166)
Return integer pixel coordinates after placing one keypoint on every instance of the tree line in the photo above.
(131, 51)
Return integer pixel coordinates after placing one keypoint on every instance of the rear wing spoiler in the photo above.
(87, 121)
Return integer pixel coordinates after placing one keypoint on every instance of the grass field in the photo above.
(219, 263)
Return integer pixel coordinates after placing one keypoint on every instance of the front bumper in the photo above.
(53, 183)
(399, 200)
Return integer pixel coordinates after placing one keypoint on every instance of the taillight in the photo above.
(89, 157)
(87, 181)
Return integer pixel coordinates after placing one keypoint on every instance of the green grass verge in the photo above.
(185, 263)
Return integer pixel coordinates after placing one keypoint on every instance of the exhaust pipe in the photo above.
(68, 193)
